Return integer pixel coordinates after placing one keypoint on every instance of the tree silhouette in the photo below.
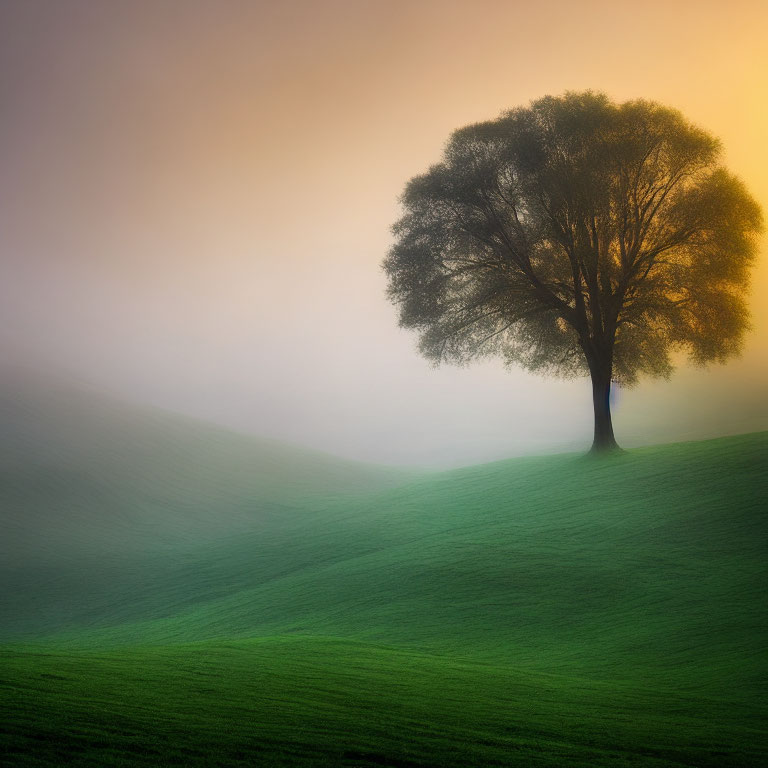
(577, 236)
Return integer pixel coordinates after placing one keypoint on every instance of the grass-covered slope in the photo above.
(328, 702)
(640, 564)
(550, 611)
(102, 502)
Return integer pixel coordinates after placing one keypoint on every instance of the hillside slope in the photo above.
(556, 611)
(642, 563)
(81, 473)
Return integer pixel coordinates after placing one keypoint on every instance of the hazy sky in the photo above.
(195, 199)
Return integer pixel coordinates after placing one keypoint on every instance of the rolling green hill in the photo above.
(99, 496)
(244, 603)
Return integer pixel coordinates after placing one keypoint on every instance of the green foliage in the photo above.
(576, 235)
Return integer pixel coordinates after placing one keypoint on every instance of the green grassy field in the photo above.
(194, 597)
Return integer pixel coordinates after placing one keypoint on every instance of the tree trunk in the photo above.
(604, 440)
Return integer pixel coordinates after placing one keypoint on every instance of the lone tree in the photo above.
(577, 236)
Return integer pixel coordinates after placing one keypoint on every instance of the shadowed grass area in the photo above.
(319, 701)
(562, 610)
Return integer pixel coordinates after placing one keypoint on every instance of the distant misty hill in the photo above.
(79, 470)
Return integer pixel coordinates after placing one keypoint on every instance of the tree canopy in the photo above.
(577, 236)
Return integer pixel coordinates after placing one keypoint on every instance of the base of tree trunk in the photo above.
(605, 449)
